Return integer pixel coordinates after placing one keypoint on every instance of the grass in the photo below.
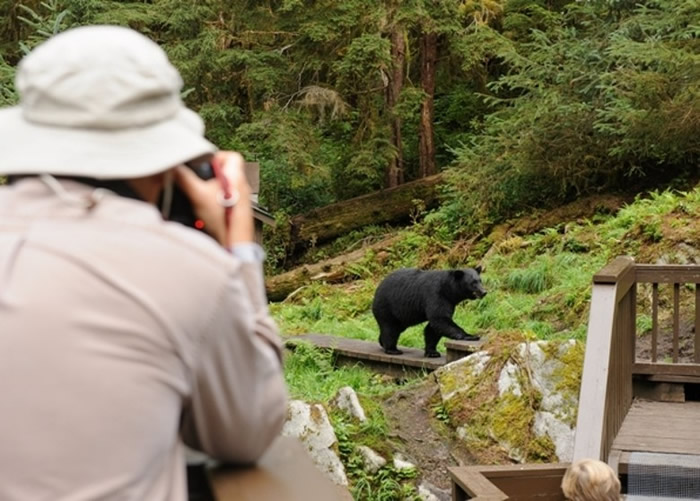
(312, 376)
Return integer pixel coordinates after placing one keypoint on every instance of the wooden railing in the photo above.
(285, 472)
(514, 482)
(609, 366)
(676, 277)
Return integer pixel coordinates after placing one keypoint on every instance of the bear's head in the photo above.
(467, 283)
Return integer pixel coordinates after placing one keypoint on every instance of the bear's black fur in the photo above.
(410, 296)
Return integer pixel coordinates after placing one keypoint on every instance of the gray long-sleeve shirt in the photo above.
(121, 336)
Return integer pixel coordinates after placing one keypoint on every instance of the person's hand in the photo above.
(204, 196)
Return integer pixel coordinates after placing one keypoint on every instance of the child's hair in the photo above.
(590, 480)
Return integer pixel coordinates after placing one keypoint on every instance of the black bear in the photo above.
(410, 296)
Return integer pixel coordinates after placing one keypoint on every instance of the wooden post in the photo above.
(676, 319)
(697, 323)
(654, 320)
(607, 368)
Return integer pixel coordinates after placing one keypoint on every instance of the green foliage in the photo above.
(532, 280)
(311, 376)
(588, 102)
(287, 148)
(8, 94)
(49, 21)
(387, 483)
(535, 102)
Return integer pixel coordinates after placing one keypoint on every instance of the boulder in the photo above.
(523, 398)
(310, 424)
(429, 492)
(372, 460)
(346, 400)
(508, 380)
(402, 463)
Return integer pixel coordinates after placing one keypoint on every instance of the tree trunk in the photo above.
(393, 91)
(387, 206)
(333, 270)
(426, 147)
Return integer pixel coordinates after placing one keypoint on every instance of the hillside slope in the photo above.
(539, 283)
(539, 288)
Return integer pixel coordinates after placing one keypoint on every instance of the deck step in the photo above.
(460, 349)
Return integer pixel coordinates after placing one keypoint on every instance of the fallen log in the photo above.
(332, 270)
(392, 205)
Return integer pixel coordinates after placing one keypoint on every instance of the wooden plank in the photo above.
(590, 424)
(667, 369)
(613, 271)
(660, 427)
(542, 488)
(670, 378)
(676, 318)
(697, 323)
(668, 274)
(614, 461)
(465, 346)
(369, 350)
(523, 482)
(284, 472)
(662, 391)
(252, 175)
(521, 470)
(460, 349)
(666, 445)
(473, 485)
(654, 320)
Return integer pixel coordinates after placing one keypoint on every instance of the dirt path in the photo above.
(431, 446)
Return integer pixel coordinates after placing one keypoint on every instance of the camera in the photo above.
(181, 210)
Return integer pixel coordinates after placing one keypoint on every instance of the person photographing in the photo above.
(123, 336)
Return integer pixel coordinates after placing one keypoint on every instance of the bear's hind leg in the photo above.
(388, 337)
(431, 336)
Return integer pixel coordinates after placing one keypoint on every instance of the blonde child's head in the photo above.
(590, 480)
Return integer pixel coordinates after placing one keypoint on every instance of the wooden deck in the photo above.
(352, 351)
(664, 427)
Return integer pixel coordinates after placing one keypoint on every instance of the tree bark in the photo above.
(333, 270)
(426, 146)
(387, 206)
(395, 174)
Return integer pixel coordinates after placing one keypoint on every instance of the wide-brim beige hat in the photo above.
(101, 102)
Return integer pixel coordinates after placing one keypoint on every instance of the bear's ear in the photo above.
(457, 274)
(478, 269)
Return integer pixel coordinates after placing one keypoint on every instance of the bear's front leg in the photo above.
(467, 337)
(431, 337)
(448, 328)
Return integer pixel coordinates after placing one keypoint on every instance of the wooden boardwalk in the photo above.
(369, 353)
(662, 427)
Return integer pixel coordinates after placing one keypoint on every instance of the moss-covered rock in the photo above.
(516, 399)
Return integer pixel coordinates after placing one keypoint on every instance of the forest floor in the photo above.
(429, 444)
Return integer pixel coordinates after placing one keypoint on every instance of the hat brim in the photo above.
(30, 148)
